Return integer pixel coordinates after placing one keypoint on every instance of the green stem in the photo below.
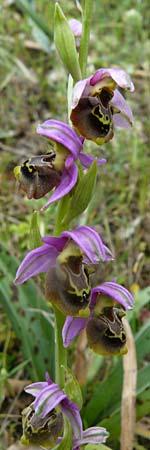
(60, 351)
(86, 21)
(69, 96)
(61, 210)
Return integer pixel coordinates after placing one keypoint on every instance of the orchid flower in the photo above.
(104, 327)
(98, 106)
(66, 260)
(56, 169)
(43, 420)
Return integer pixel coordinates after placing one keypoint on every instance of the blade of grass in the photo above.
(26, 8)
(33, 330)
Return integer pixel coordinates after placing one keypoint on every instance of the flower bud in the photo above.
(65, 44)
(76, 28)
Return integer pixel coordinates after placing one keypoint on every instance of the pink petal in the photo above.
(37, 261)
(90, 243)
(71, 329)
(117, 292)
(119, 102)
(121, 77)
(86, 160)
(68, 181)
(93, 435)
(72, 412)
(82, 87)
(48, 399)
(62, 133)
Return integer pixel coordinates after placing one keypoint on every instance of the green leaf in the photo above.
(72, 388)
(113, 422)
(142, 298)
(62, 207)
(105, 397)
(41, 37)
(143, 379)
(24, 306)
(142, 340)
(65, 44)
(30, 12)
(143, 405)
(4, 374)
(82, 193)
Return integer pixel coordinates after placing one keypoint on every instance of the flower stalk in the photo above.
(87, 6)
(60, 213)
(60, 351)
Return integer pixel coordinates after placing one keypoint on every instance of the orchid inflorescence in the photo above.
(69, 258)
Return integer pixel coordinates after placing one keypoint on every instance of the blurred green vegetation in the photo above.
(33, 88)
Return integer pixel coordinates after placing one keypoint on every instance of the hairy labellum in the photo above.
(38, 430)
(93, 116)
(106, 334)
(67, 285)
(37, 176)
